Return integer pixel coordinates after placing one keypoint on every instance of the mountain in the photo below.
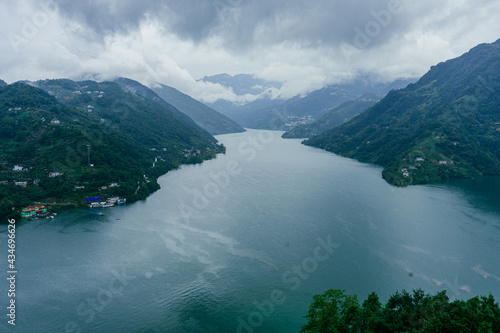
(249, 114)
(207, 118)
(90, 135)
(2, 83)
(445, 126)
(211, 120)
(242, 84)
(268, 113)
(153, 122)
(335, 117)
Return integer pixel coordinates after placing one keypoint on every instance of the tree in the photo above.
(371, 316)
(332, 311)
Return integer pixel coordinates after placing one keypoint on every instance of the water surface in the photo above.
(235, 245)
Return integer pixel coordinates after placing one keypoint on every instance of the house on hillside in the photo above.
(55, 174)
(32, 211)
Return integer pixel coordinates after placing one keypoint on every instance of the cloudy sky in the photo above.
(303, 44)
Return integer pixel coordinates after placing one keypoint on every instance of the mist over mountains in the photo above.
(269, 111)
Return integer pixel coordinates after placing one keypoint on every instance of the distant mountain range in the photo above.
(211, 120)
(268, 113)
(206, 117)
(445, 126)
(243, 84)
(63, 140)
(2, 83)
(335, 117)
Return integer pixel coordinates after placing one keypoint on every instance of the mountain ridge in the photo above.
(88, 135)
(335, 117)
(211, 120)
(444, 126)
(284, 114)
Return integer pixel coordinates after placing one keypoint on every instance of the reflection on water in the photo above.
(222, 241)
(482, 193)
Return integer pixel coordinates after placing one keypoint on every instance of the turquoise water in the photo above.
(242, 243)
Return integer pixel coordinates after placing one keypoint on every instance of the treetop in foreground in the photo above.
(334, 311)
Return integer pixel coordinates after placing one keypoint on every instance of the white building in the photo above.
(55, 174)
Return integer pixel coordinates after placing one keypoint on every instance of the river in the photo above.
(241, 243)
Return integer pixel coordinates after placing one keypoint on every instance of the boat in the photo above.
(102, 204)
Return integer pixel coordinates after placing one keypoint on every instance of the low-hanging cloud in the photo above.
(303, 44)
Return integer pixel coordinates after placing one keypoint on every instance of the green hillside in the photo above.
(206, 117)
(2, 83)
(144, 120)
(335, 117)
(124, 134)
(445, 126)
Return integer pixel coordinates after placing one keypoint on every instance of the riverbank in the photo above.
(66, 193)
(251, 240)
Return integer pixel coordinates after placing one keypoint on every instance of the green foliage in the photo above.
(206, 117)
(333, 311)
(332, 119)
(123, 147)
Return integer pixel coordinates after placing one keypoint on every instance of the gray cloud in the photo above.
(191, 19)
(244, 23)
(303, 44)
(109, 16)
